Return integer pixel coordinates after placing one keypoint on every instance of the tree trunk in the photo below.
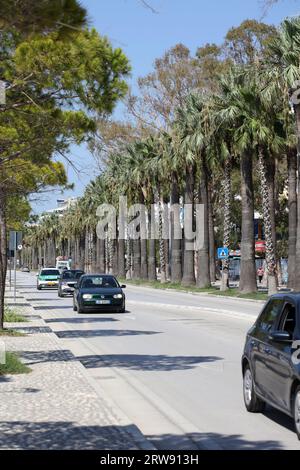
(121, 258)
(188, 278)
(203, 273)
(248, 271)
(152, 244)
(270, 252)
(211, 233)
(292, 203)
(176, 266)
(162, 253)
(136, 248)
(227, 222)
(297, 277)
(270, 171)
(100, 255)
(3, 256)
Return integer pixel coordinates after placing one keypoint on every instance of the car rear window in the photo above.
(101, 281)
(72, 274)
(50, 272)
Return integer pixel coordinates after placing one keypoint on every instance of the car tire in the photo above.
(38, 287)
(74, 307)
(296, 411)
(80, 309)
(122, 310)
(252, 402)
(59, 293)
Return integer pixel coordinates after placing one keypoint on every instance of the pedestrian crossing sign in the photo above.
(223, 253)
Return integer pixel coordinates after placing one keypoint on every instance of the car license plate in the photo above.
(102, 302)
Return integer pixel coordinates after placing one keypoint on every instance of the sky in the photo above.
(145, 35)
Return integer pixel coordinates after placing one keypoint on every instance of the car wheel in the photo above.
(122, 310)
(297, 412)
(80, 309)
(59, 293)
(38, 287)
(252, 402)
(74, 307)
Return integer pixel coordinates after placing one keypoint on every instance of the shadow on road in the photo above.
(146, 362)
(206, 441)
(81, 320)
(96, 333)
(64, 435)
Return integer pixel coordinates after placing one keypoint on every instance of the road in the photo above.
(171, 363)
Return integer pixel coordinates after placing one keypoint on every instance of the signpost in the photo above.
(15, 240)
(223, 253)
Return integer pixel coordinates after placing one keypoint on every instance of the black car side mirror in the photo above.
(280, 336)
(123, 286)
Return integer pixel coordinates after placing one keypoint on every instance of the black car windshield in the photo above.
(99, 282)
(72, 274)
(50, 272)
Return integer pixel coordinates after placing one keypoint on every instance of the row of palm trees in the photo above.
(240, 131)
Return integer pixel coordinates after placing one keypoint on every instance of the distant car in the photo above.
(98, 293)
(25, 269)
(67, 281)
(271, 358)
(47, 277)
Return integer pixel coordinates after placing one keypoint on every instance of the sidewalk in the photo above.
(57, 406)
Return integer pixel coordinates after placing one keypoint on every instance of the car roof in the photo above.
(96, 275)
(293, 296)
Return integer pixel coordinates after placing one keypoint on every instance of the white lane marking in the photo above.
(244, 316)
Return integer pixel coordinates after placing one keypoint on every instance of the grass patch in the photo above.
(167, 285)
(12, 316)
(13, 365)
(209, 290)
(237, 294)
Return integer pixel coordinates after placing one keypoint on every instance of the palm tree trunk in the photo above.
(100, 255)
(136, 248)
(248, 271)
(211, 233)
(188, 278)
(270, 171)
(3, 255)
(203, 273)
(297, 277)
(176, 266)
(292, 174)
(152, 243)
(270, 253)
(162, 253)
(227, 222)
(121, 258)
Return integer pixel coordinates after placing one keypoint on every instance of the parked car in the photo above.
(25, 269)
(98, 293)
(47, 277)
(67, 281)
(271, 358)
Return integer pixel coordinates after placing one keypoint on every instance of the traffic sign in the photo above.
(15, 239)
(223, 253)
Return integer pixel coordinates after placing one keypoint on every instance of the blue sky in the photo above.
(144, 36)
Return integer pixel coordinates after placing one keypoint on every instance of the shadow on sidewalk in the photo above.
(64, 435)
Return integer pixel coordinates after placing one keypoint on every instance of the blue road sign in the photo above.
(223, 253)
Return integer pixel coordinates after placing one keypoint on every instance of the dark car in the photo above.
(98, 293)
(271, 359)
(67, 281)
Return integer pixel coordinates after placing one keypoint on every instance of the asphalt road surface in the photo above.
(171, 363)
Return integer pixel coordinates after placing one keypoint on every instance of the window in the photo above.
(269, 315)
(99, 282)
(50, 272)
(288, 319)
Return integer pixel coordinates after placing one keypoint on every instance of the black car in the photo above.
(98, 293)
(67, 281)
(271, 359)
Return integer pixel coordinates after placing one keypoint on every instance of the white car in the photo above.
(48, 277)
